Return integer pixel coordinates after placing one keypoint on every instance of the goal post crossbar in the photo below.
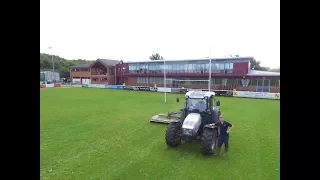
(179, 81)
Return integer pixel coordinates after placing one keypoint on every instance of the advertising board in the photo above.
(261, 95)
(163, 89)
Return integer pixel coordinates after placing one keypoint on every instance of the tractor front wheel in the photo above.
(173, 134)
(209, 141)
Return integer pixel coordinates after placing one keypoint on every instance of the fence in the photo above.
(50, 85)
(59, 84)
(227, 93)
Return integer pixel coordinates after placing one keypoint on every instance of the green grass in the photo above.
(106, 134)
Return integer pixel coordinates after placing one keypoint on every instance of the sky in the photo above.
(176, 29)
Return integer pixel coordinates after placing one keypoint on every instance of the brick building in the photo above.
(101, 71)
(226, 73)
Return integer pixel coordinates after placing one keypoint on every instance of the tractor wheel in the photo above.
(209, 141)
(173, 134)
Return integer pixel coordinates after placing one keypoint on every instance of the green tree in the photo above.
(61, 65)
(275, 70)
(256, 65)
(156, 57)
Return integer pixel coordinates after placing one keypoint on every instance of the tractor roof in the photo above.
(199, 94)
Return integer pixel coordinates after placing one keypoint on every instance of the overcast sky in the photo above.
(177, 29)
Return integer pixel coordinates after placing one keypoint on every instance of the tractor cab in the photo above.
(196, 105)
(200, 102)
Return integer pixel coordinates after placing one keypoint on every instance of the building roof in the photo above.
(82, 65)
(262, 73)
(201, 59)
(108, 62)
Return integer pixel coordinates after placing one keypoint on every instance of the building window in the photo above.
(132, 68)
(217, 81)
(221, 66)
(260, 82)
(111, 71)
(142, 80)
(179, 67)
(215, 68)
(274, 83)
(121, 69)
(231, 81)
(253, 82)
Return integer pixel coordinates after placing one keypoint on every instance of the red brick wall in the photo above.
(275, 90)
(132, 81)
(245, 89)
(98, 82)
(111, 80)
(240, 68)
(121, 73)
(80, 74)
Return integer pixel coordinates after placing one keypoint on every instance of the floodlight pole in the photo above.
(209, 84)
(165, 81)
(52, 76)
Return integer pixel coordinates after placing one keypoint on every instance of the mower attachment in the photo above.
(163, 118)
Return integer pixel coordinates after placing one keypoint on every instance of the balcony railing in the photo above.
(98, 73)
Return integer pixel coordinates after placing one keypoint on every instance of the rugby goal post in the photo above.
(180, 83)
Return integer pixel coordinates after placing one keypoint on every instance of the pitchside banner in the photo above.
(141, 88)
(153, 89)
(113, 86)
(228, 93)
(260, 95)
(163, 89)
(96, 86)
(127, 87)
(183, 91)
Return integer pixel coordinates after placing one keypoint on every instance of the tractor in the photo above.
(193, 124)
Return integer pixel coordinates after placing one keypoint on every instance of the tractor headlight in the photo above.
(187, 132)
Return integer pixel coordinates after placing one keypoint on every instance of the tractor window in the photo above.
(197, 104)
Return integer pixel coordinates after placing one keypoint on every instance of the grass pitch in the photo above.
(106, 134)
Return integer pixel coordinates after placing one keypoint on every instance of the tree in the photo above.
(275, 70)
(61, 65)
(254, 64)
(156, 57)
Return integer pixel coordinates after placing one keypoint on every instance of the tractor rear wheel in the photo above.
(173, 134)
(209, 141)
